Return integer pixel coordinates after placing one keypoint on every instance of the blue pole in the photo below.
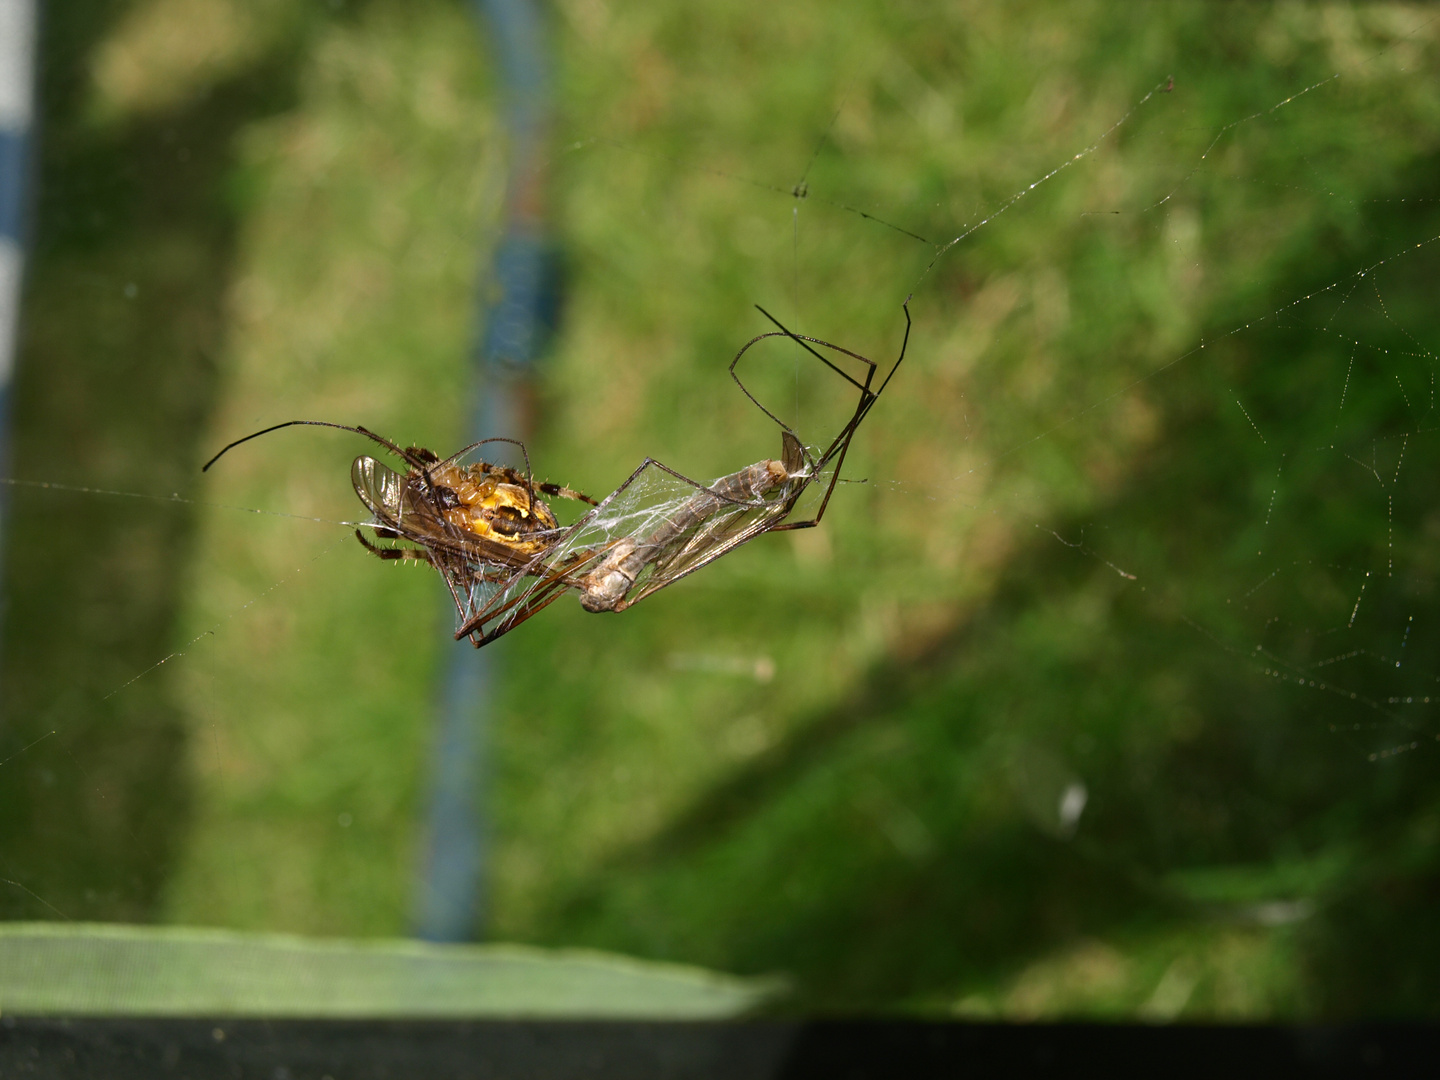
(451, 902)
(17, 97)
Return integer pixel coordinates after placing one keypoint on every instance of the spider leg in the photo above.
(410, 459)
(561, 492)
(402, 554)
(526, 479)
(455, 457)
(527, 482)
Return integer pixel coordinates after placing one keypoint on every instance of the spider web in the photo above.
(1118, 282)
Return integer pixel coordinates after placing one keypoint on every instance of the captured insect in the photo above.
(504, 556)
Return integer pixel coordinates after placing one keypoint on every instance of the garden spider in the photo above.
(466, 519)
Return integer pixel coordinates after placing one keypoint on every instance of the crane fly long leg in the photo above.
(531, 607)
(868, 397)
(558, 579)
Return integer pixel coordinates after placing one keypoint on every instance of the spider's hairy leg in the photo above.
(405, 455)
(562, 492)
(403, 554)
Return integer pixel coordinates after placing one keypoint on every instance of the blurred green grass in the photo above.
(836, 754)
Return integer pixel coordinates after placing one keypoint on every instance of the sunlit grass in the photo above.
(837, 754)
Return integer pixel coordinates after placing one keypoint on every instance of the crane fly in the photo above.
(503, 554)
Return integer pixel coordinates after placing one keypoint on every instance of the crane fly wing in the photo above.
(705, 550)
(497, 605)
(720, 535)
(792, 453)
(396, 502)
(729, 525)
(641, 505)
(380, 488)
(660, 526)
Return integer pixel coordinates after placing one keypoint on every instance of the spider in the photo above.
(469, 520)
(504, 556)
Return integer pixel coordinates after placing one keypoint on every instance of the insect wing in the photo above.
(677, 526)
(728, 528)
(714, 527)
(648, 502)
(381, 489)
(496, 603)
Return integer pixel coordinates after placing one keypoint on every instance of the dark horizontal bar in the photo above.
(753, 1050)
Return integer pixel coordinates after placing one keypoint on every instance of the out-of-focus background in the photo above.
(1110, 692)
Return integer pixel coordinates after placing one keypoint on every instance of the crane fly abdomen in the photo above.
(605, 588)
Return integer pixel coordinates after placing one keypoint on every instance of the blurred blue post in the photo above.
(17, 95)
(518, 300)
